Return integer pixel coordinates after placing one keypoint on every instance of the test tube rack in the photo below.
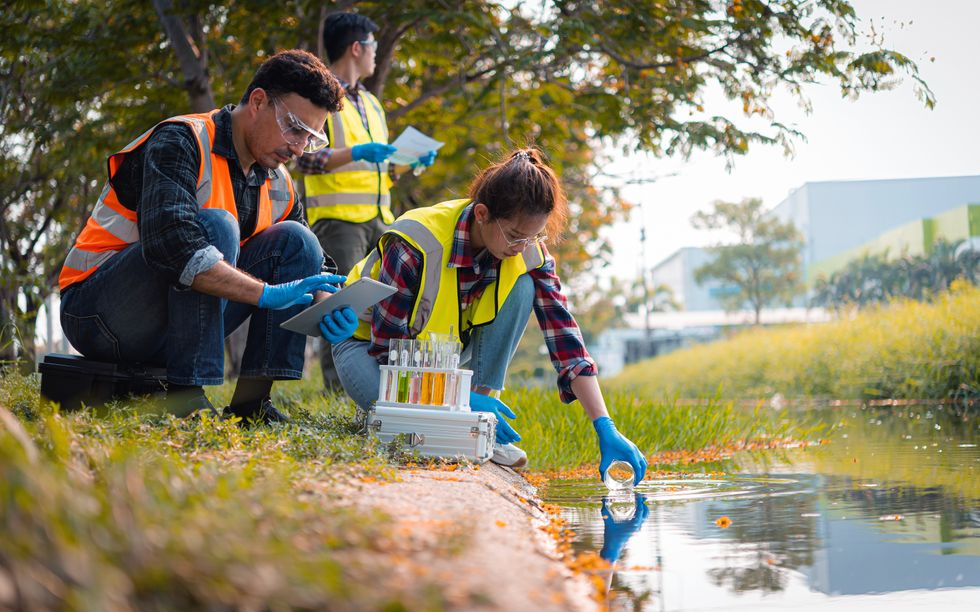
(425, 373)
(429, 388)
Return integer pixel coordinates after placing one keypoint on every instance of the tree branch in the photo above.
(687, 60)
(193, 63)
(459, 81)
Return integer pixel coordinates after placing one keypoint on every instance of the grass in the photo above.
(909, 350)
(558, 436)
(130, 509)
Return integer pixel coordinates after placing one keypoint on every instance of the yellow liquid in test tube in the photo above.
(438, 378)
(439, 389)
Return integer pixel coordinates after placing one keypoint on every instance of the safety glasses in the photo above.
(295, 132)
(521, 242)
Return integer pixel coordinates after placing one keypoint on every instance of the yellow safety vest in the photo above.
(358, 191)
(437, 305)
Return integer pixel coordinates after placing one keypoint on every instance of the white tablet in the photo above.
(359, 295)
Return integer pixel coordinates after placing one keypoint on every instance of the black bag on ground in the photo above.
(72, 380)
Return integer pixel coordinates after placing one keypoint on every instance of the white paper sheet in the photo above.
(411, 145)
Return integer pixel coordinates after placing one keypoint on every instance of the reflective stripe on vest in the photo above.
(112, 227)
(430, 230)
(359, 190)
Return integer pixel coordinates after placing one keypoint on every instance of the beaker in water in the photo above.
(619, 476)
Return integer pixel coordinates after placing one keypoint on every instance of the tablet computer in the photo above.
(359, 295)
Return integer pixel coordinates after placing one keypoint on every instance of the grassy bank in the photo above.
(135, 510)
(905, 350)
(126, 507)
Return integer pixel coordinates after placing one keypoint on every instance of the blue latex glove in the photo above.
(426, 160)
(338, 325)
(616, 534)
(284, 295)
(374, 152)
(614, 445)
(485, 403)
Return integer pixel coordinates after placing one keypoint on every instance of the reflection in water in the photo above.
(622, 516)
(889, 507)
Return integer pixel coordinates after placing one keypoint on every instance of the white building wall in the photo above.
(836, 216)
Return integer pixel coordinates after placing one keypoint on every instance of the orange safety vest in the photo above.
(112, 227)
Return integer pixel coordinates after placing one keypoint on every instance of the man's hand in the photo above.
(284, 295)
(614, 445)
(338, 325)
(485, 403)
(374, 152)
(426, 160)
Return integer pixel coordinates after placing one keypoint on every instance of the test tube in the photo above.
(404, 346)
(391, 389)
(426, 372)
(415, 392)
(439, 385)
(452, 392)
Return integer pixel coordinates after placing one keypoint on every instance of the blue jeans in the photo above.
(126, 312)
(488, 353)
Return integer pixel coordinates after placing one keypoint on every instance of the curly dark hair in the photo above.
(522, 185)
(299, 72)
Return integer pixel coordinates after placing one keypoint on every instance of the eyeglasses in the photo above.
(522, 242)
(295, 132)
(369, 43)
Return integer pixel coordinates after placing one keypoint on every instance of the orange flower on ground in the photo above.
(724, 522)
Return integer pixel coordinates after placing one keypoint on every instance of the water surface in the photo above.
(887, 515)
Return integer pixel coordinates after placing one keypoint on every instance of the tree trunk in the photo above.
(193, 57)
(7, 331)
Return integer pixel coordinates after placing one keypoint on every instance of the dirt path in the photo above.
(503, 555)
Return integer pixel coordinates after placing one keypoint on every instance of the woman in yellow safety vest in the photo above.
(477, 267)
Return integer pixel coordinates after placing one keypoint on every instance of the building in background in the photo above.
(839, 221)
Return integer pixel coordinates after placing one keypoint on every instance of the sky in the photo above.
(884, 135)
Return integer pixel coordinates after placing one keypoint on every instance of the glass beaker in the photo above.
(619, 476)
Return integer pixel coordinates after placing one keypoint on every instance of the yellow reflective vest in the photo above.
(437, 305)
(359, 191)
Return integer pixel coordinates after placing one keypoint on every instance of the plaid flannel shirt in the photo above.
(401, 267)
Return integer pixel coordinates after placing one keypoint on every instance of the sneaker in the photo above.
(509, 455)
(267, 414)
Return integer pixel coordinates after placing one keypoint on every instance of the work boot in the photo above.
(183, 401)
(266, 413)
(509, 455)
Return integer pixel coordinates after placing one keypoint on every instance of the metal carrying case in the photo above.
(436, 433)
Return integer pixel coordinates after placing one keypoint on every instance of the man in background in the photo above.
(347, 185)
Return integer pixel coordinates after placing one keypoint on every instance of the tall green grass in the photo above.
(906, 350)
(556, 435)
